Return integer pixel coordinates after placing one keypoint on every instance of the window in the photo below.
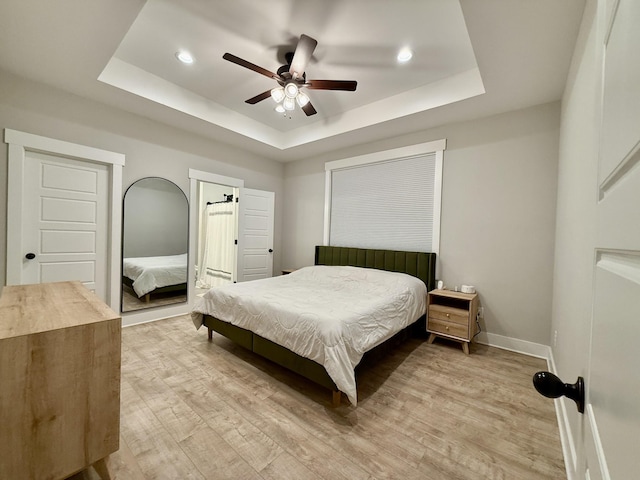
(387, 200)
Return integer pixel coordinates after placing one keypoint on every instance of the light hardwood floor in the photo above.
(198, 409)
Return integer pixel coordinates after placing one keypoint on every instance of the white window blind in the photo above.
(391, 204)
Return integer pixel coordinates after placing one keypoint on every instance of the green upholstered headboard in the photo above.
(418, 264)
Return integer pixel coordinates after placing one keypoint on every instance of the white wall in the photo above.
(498, 213)
(151, 148)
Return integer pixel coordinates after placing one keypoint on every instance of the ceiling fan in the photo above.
(292, 78)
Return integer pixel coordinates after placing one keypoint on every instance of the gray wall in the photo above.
(151, 148)
(498, 213)
(155, 219)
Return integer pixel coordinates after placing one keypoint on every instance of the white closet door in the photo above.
(65, 211)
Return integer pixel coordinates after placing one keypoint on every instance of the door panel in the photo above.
(255, 234)
(621, 102)
(65, 211)
(65, 271)
(612, 424)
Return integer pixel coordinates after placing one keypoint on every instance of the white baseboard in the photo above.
(566, 439)
(153, 314)
(515, 345)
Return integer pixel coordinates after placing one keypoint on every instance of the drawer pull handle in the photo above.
(448, 315)
(446, 328)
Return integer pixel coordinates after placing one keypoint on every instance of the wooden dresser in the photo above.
(59, 380)
(452, 315)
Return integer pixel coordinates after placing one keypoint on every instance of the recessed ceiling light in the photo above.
(404, 55)
(184, 56)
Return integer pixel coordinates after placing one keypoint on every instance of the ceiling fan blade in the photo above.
(348, 85)
(309, 110)
(249, 65)
(259, 98)
(304, 50)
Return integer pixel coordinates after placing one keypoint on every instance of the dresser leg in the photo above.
(101, 469)
(432, 337)
(465, 347)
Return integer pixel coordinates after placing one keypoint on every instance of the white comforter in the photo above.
(149, 273)
(332, 315)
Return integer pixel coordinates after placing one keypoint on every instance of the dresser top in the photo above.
(28, 309)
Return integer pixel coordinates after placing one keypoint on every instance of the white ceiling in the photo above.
(471, 58)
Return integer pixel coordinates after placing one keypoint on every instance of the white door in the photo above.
(64, 221)
(611, 424)
(255, 234)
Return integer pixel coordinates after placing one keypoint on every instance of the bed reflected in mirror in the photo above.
(154, 245)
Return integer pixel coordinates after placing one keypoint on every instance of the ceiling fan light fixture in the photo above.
(404, 55)
(302, 99)
(291, 90)
(289, 103)
(184, 57)
(277, 94)
(279, 108)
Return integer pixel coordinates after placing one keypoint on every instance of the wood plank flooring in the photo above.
(193, 409)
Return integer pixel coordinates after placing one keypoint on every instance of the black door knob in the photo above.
(550, 386)
(271, 250)
(30, 256)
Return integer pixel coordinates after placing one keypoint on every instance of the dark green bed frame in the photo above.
(418, 264)
(178, 288)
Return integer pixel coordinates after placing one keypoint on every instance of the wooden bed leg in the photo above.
(335, 398)
(147, 298)
(210, 334)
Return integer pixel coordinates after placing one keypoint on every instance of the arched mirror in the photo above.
(154, 245)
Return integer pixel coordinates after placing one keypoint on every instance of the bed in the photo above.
(327, 351)
(151, 275)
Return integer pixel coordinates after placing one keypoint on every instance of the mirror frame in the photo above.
(122, 257)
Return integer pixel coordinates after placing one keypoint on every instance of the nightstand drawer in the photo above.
(449, 314)
(437, 325)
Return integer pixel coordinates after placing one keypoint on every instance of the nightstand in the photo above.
(452, 315)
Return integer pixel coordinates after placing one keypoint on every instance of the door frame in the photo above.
(19, 144)
(196, 176)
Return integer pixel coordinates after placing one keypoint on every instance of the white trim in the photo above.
(215, 178)
(327, 208)
(602, 461)
(437, 208)
(153, 314)
(569, 451)
(37, 143)
(385, 155)
(21, 142)
(514, 345)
